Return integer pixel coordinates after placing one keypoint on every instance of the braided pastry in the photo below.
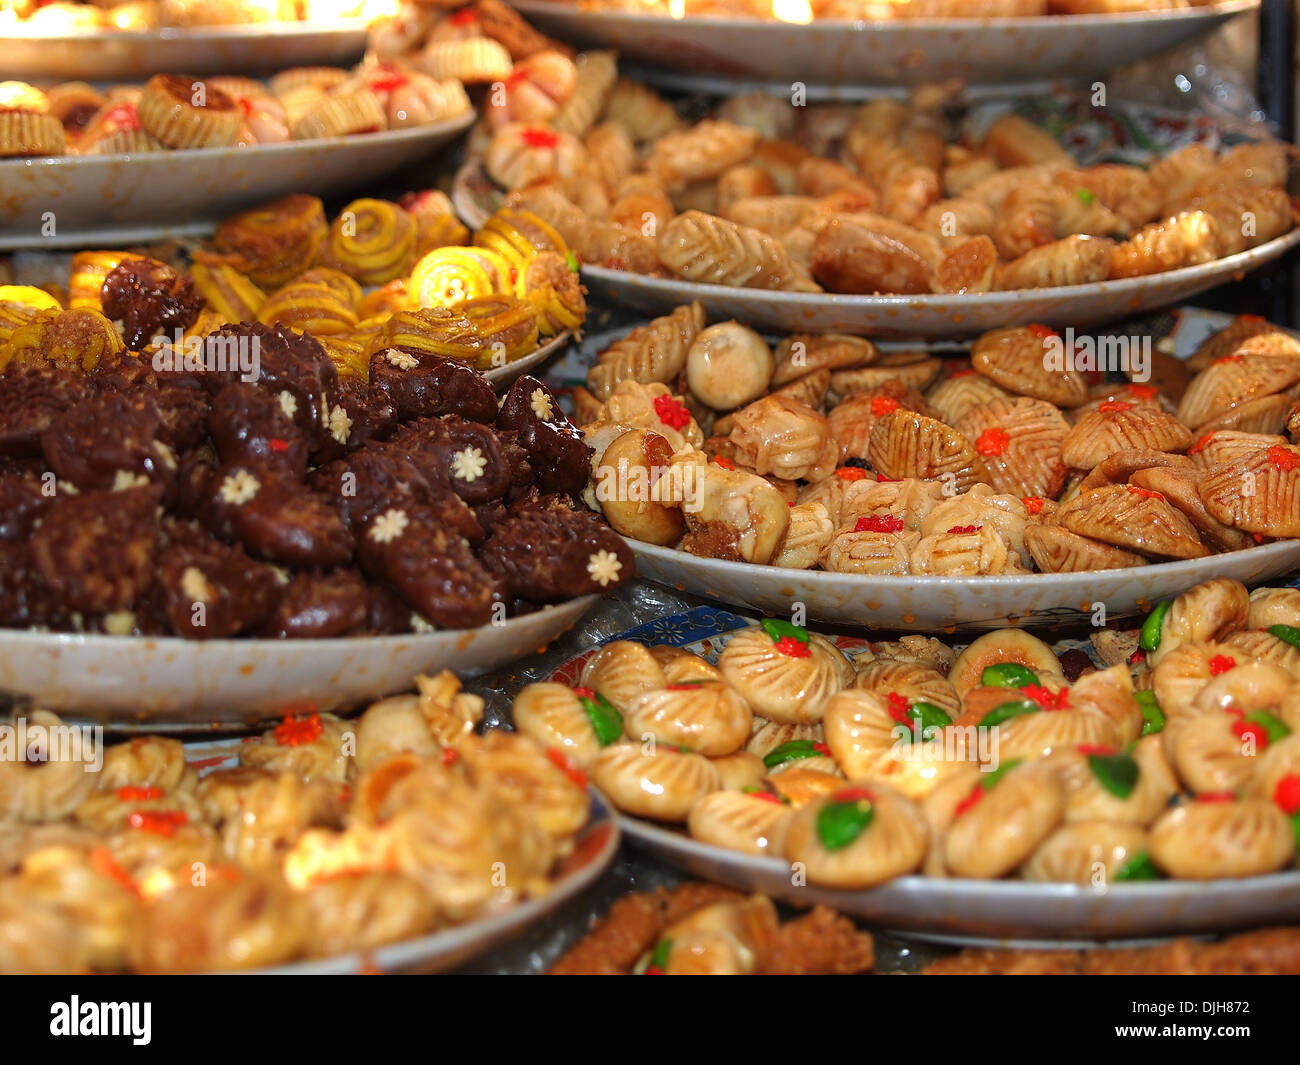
(275, 241)
(597, 72)
(228, 292)
(654, 352)
(700, 153)
(700, 247)
(641, 111)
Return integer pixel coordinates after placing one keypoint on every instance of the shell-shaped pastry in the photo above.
(1207, 612)
(1109, 692)
(1225, 445)
(1133, 518)
(906, 444)
(1209, 840)
(1235, 379)
(1273, 606)
(146, 762)
(515, 772)
(663, 785)
(893, 842)
(917, 374)
(1182, 673)
(1208, 755)
(806, 538)
(977, 552)
(873, 553)
(1006, 646)
(1039, 734)
(801, 786)
(1085, 852)
(553, 715)
(779, 686)
(1266, 647)
(956, 396)
(1004, 824)
(292, 747)
(681, 667)
(1246, 686)
(940, 807)
(708, 717)
(915, 682)
(1019, 359)
(1019, 443)
(622, 670)
(784, 438)
(804, 353)
(769, 735)
(739, 770)
(1118, 425)
(910, 501)
(1057, 550)
(1272, 508)
(753, 824)
(1087, 799)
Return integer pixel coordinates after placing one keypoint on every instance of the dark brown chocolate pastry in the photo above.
(207, 590)
(368, 414)
(521, 469)
(320, 605)
(182, 404)
(386, 612)
(96, 550)
(274, 518)
(251, 427)
(30, 397)
(550, 555)
(110, 441)
(557, 453)
(23, 498)
(378, 476)
(23, 594)
(467, 454)
(282, 362)
(424, 386)
(149, 298)
(431, 567)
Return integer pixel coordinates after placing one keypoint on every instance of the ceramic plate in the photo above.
(839, 53)
(946, 604)
(63, 201)
(200, 684)
(956, 910)
(118, 55)
(504, 377)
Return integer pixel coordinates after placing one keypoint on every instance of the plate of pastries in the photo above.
(932, 488)
(118, 40)
(209, 510)
(892, 218)
(852, 43)
(399, 841)
(182, 150)
(1151, 776)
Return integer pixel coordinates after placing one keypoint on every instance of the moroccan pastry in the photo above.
(709, 718)
(752, 823)
(786, 676)
(621, 671)
(663, 784)
(185, 113)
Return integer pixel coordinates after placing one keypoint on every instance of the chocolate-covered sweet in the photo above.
(319, 605)
(30, 397)
(558, 455)
(433, 569)
(149, 298)
(205, 589)
(421, 385)
(250, 427)
(23, 497)
(368, 414)
(110, 441)
(548, 555)
(386, 612)
(466, 453)
(274, 518)
(95, 550)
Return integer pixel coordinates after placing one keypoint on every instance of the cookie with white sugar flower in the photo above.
(468, 456)
(421, 385)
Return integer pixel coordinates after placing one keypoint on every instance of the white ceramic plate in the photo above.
(117, 55)
(841, 53)
(596, 846)
(933, 316)
(946, 604)
(202, 684)
(955, 910)
(62, 201)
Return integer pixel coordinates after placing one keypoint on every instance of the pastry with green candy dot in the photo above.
(1091, 853)
(784, 672)
(1005, 818)
(555, 716)
(622, 670)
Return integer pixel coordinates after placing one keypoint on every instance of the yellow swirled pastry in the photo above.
(275, 241)
(230, 293)
(449, 275)
(433, 331)
(506, 327)
(76, 340)
(372, 241)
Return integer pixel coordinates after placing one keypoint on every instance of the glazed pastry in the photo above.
(728, 365)
(1205, 840)
(1094, 853)
(621, 671)
(1006, 817)
(664, 785)
(632, 457)
(357, 111)
(25, 133)
(858, 836)
(275, 242)
(517, 774)
(556, 716)
(787, 677)
(752, 823)
(470, 60)
(709, 718)
(700, 247)
(372, 241)
(654, 352)
(596, 74)
(520, 154)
